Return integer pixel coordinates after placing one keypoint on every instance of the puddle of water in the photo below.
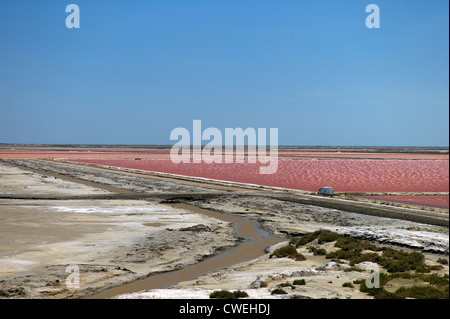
(255, 242)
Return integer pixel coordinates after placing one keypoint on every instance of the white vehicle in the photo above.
(326, 191)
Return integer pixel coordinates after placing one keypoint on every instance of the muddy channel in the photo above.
(253, 244)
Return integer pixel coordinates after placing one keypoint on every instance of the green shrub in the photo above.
(400, 261)
(322, 236)
(392, 260)
(438, 287)
(278, 291)
(348, 243)
(436, 280)
(384, 294)
(221, 294)
(442, 261)
(299, 282)
(225, 294)
(342, 254)
(348, 284)
(327, 236)
(371, 257)
(318, 251)
(240, 294)
(285, 284)
(288, 251)
(306, 239)
(421, 292)
(434, 267)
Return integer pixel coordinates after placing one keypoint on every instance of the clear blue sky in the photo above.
(135, 70)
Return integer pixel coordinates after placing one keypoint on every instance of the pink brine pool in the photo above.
(310, 175)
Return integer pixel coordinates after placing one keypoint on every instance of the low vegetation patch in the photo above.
(356, 251)
(278, 291)
(442, 261)
(225, 294)
(322, 236)
(433, 287)
(420, 292)
(299, 282)
(433, 279)
(397, 263)
(288, 251)
(348, 284)
(317, 251)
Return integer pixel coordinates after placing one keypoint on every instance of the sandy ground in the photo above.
(114, 242)
(15, 181)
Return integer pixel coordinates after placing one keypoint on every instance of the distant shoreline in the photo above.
(342, 149)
